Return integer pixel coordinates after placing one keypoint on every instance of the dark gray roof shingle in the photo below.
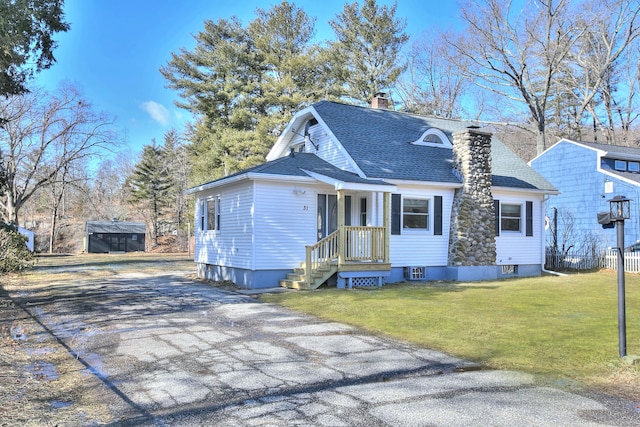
(298, 163)
(380, 142)
(612, 149)
(116, 227)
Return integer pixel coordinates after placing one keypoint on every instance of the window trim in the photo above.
(210, 214)
(620, 165)
(428, 214)
(519, 218)
(445, 143)
(203, 215)
(636, 166)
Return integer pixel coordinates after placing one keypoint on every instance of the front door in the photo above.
(117, 243)
(328, 214)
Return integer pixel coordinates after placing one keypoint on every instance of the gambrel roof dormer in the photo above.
(434, 137)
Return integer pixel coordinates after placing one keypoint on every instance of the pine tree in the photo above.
(244, 84)
(27, 40)
(366, 55)
(149, 185)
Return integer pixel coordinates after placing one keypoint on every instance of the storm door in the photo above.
(328, 214)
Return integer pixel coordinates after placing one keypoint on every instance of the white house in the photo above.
(358, 196)
(588, 175)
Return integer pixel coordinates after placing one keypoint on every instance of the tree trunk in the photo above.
(12, 209)
(541, 139)
(54, 224)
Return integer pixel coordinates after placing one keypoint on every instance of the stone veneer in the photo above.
(472, 237)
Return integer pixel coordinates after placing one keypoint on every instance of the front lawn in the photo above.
(564, 329)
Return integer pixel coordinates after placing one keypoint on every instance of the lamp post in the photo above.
(619, 210)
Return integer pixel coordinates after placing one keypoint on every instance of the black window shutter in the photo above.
(496, 208)
(529, 219)
(395, 213)
(347, 210)
(437, 215)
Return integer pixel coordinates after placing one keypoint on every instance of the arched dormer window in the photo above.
(433, 137)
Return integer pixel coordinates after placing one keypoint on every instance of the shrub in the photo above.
(14, 254)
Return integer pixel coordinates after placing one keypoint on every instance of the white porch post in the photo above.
(386, 221)
(342, 235)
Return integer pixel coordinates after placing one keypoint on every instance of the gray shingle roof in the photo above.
(296, 164)
(116, 227)
(616, 152)
(380, 142)
(612, 149)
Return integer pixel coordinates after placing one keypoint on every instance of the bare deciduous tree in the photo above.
(517, 53)
(607, 28)
(42, 135)
(433, 83)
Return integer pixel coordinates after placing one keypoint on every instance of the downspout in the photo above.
(544, 255)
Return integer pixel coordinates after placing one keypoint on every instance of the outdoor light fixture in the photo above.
(619, 210)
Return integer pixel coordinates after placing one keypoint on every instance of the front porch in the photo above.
(356, 255)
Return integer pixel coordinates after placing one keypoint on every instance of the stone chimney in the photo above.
(472, 237)
(380, 101)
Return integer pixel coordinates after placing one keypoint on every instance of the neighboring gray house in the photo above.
(358, 196)
(588, 174)
(114, 236)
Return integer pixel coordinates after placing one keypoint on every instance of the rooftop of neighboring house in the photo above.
(618, 160)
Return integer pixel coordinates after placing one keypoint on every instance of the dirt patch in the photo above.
(224, 284)
(41, 383)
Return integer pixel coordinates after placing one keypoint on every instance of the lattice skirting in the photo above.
(365, 281)
(359, 279)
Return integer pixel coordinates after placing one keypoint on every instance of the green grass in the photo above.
(560, 328)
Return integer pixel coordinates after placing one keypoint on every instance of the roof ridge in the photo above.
(386, 110)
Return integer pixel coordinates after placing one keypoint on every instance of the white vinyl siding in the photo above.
(232, 245)
(329, 151)
(515, 247)
(285, 221)
(422, 249)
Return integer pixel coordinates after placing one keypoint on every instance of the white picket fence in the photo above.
(631, 261)
(590, 261)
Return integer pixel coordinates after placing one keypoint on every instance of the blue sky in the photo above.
(115, 48)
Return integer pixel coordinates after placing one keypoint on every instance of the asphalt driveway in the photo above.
(172, 351)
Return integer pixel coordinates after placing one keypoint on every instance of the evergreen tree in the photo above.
(149, 185)
(244, 85)
(27, 41)
(366, 54)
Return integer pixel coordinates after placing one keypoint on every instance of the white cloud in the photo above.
(158, 112)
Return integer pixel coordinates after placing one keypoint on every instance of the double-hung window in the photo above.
(210, 214)
(415, 213)
(511, 217)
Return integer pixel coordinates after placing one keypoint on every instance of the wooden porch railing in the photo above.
(321, 254)
(364, 244)
(347, 244)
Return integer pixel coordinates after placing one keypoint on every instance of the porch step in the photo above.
(294, 284)
(297, 279)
